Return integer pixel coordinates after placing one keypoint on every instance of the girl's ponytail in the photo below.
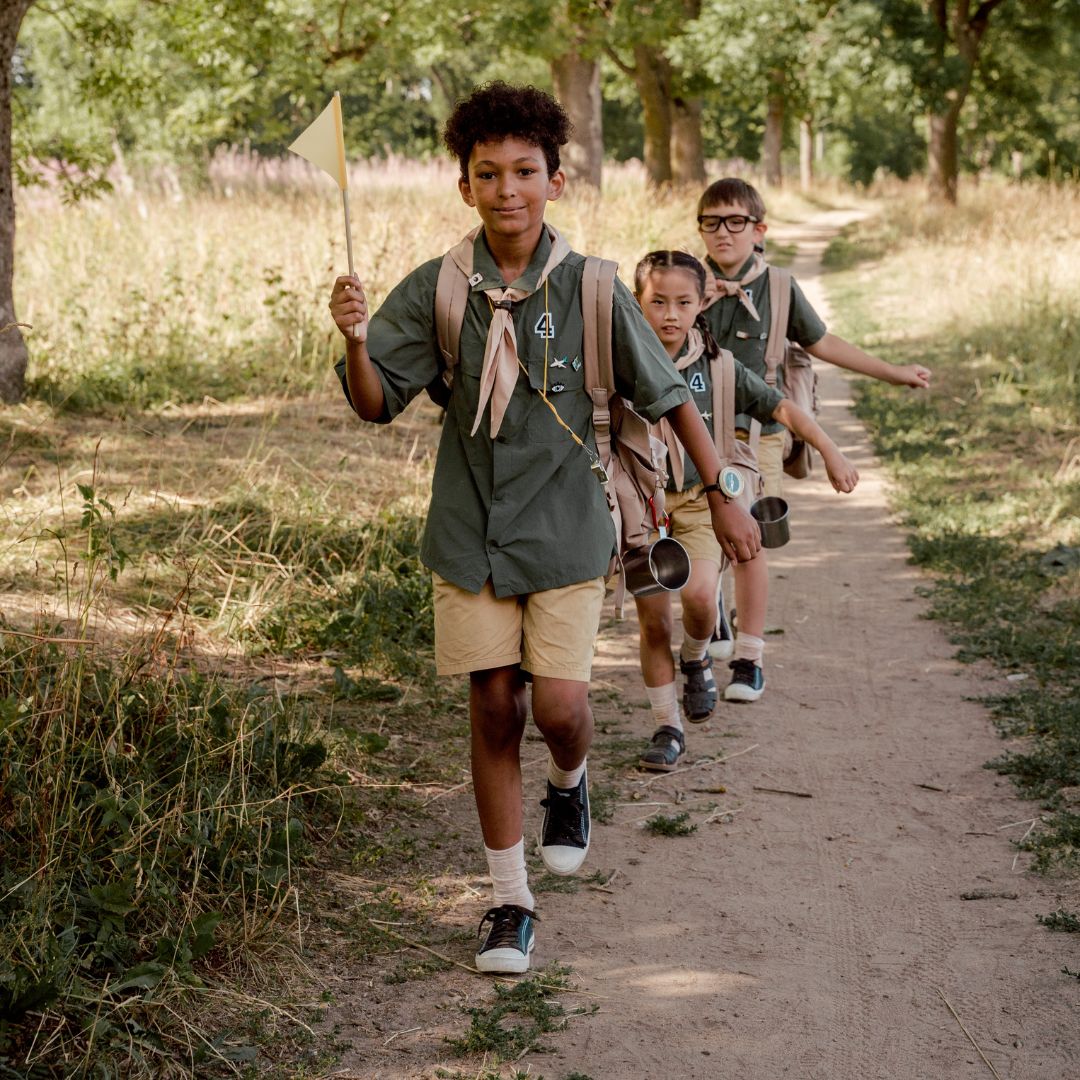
(712, 349)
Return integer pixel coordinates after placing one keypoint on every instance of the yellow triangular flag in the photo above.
(323, 142)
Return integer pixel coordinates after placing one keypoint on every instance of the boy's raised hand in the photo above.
(842, 473)
(914, 375)
(738, 534)
(348, 306)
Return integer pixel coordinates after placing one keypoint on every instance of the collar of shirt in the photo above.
(737, 276)
(484, 263)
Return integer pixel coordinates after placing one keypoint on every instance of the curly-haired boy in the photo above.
(518, 535)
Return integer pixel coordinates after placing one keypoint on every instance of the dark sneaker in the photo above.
(747, 681)
(723, 640)
(699, 689)
(667, 746)
(564, 841)
(509, 940)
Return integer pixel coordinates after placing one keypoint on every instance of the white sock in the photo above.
(562, 778)
(509, 877)
(692, 648)
(748, 647)
(664, 701)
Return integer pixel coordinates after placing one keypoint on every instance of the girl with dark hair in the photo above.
(670, 287)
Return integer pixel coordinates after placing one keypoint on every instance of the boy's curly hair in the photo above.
(498, 111)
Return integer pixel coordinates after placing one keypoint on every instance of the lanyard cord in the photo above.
(593, 459)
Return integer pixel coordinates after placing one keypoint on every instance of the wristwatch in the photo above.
(729, 483)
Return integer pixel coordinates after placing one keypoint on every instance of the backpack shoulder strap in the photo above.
(451, 299)
(723, 405)
(779, 311)
(597, 301)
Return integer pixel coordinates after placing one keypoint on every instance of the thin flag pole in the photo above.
(343, 173)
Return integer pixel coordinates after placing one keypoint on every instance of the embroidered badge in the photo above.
(706, 416)
(475, 279)
(545, 326)
(697, 382)
(557, 363)
(576, 363)
(558, 388)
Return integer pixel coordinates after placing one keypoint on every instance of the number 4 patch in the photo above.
(545, 326)
(697, 382)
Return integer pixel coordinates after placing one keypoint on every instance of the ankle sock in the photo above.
(664, 701)
(509, 877)
(564, 778)
(692, 648)
(748, 647)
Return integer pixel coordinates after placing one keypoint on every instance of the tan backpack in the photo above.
(630, 464)
(799, 377)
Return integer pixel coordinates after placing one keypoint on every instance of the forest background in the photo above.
(216, 643)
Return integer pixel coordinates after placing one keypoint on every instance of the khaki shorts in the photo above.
(550, 633)
(770, 459)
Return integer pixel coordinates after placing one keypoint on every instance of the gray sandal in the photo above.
(699, 689)
(667, 746)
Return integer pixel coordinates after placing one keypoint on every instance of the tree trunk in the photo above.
(806, 153)
(774, 130)
(652, 75)
(13, 354)
(577, 86)
(941, 151)
(687, 147)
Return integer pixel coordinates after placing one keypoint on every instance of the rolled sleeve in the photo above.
(805, 325)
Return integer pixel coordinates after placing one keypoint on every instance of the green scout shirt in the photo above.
(734, 329)
(524, 509)
(754, 397)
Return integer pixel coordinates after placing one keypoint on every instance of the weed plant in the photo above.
(671, 824)
(986, 468)
(152, 822)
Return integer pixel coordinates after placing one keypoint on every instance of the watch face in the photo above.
(731, 482)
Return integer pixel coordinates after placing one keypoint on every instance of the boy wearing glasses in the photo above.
(731, 219)
(518, 534)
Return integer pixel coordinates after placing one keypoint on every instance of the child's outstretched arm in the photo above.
(842, 474)
(737, 532)
(835, 350)
(348, 305)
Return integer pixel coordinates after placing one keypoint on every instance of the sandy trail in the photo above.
(812, 937)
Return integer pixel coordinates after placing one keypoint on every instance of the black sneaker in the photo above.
(747, 681)
(723, 640)
(667, 746)
(510, 939)
(564, 841)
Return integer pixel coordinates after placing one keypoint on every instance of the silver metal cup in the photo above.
(662, 566)
(771, 514)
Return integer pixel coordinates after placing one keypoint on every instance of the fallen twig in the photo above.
(468, 783)
(783, 791)
(697, 765)
(988, 894)
(968, 1034)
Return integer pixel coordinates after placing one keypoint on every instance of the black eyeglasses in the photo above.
(734, 223)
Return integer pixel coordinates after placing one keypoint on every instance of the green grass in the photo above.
(671, 825)
(986, 469)
(518, 1018)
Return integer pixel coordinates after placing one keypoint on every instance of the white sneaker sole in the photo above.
(504, 961)
(563, 860)
(740, 692)
(721, 650)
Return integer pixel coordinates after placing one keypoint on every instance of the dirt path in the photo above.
(810, 937)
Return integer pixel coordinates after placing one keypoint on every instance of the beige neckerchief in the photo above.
(499, 375)
(724, 287)
(695, 347)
